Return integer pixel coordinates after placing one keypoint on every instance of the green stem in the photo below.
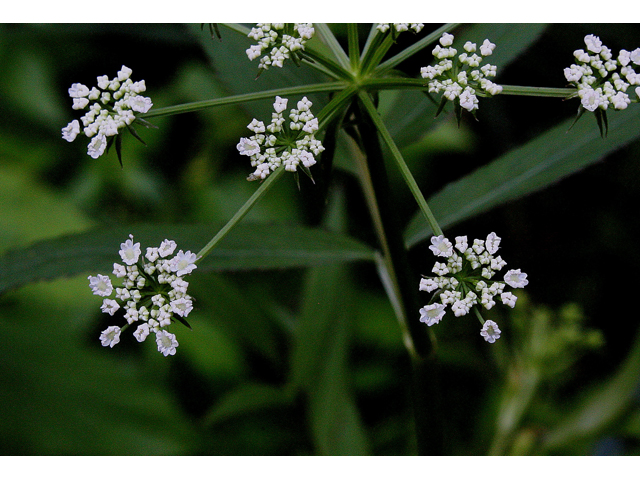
(399, 280)
(354, 47)
(384, 263)
(394, 83)
(245, 97)
(323, 64)
(397, 156)
(236, 27)
(239, 215)
(373, 41)
(336, 106)
(566, 92)
(329, 39)
(373, 56)
(413, 49)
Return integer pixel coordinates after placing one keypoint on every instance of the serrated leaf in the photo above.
(246, 247)
(534, 166)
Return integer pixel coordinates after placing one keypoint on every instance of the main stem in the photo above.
(424, 371)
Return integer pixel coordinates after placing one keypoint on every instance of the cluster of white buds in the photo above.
(400, 27)
(292, 144)
(602, 80)
(279, 41)
(461, 79)
(467, 279)
(111, 106)
(153, 292)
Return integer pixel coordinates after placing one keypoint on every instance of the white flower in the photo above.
(141, 104)
(70, 132)
(97, 146)
(516, 279)
(78, 90)
(470, 47)
(280, 104)
(181, 306)
(440, 246)
(130, 252)
(300, 144)
(581, 56)
(487, 48)
(166, 248)
(509, 299)
(141, 332)
(100, 285)
(440, 269)
(620, 101)
(593, 43)
(183, 263)
(248, 147)
(428, 285)
(432, 314)
(446, 39)
(590, 99)
(110, 106)
(573, 73)
(166, 342)
(124, 73)
(492, 243)
(109, 306)
(468, 100)
(80, 103)
(461, 243)
(460, 308)
(119, 270)
(490, 331)
(110, 336)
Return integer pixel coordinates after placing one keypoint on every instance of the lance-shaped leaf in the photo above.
(531, 167)
(246, 247)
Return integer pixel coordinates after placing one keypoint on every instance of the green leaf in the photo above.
(511, 39)
(65, 394)
(319, 364)
(601, 407)
(534, 166)
(247, 398)
(246, 247)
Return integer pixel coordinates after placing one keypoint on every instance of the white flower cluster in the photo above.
(400, 27)
(463, 78)
(291, 144)
(600, 84)
(279, 41)
(111, 106)
(153, 291)
(466, 279)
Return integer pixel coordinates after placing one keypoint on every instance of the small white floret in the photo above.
(490, 331)
(110, 336)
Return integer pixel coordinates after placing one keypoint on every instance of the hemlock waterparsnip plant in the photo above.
(348, 106)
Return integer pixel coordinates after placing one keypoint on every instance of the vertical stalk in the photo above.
(354, 47)
(424, 374)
